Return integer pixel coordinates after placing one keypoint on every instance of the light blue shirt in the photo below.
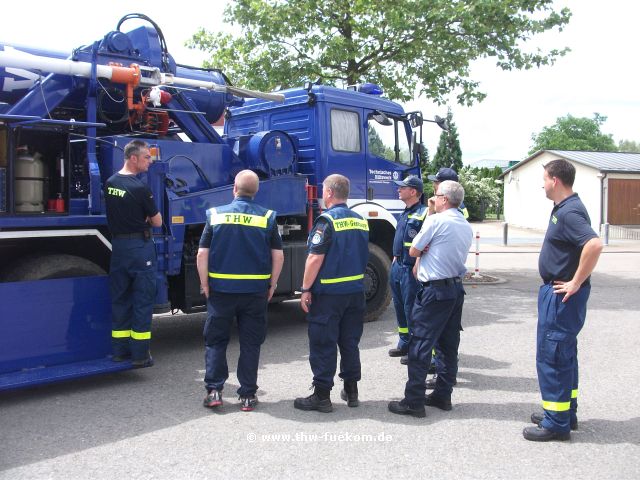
(449, 238)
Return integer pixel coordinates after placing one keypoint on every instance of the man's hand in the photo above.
(568, 288)
(272, 289)
(205, 289)
(305, 301)
(431, 205)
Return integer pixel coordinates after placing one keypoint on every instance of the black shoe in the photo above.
(213, 399)
(248, 404)
(404, 360)
(147, 362)
(442, 403)
(538, 417)
(541, 434)
(319, 401)
(398, 352)
(350, 393)
(431, 383)
(401, 408)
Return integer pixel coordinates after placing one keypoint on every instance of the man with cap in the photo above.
(443, 175)
(403, 284)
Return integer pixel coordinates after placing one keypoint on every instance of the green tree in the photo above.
(481, 192)
(409, 48)
(628, 146)
(424, 164)
(574, 133)
(448, 153)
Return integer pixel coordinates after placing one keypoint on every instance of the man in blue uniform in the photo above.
(131, 212)
(442, 246)
(569, 254)
(333, 296)
(239, 261)
(403, 284)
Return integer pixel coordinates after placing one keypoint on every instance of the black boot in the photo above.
(350, 393)
(319, 401)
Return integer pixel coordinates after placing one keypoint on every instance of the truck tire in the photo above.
(376, 283)
(49, 266)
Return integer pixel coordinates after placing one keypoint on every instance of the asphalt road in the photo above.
(150, 423)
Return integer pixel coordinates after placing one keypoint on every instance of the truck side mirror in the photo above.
(442, 123)
(381, 118)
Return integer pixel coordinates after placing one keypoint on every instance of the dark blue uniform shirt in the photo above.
(568, 231)
(408, 226)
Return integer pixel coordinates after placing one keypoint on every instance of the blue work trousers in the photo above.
(404, 287)
(335, 322)
(557, 354)
(132, 283)
(250, 310)
(436, 319)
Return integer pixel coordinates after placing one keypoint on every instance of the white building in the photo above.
(608, 184)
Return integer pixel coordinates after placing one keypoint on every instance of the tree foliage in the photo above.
(481, 192)
(629, 146)
(409, 48)
(574, 133)
(448, 153)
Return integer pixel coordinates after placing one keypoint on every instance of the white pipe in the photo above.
(17, 59)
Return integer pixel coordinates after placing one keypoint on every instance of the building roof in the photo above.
(490, 163)
(608, 162)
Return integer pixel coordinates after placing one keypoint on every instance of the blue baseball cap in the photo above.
(411, 181)
(444, 174)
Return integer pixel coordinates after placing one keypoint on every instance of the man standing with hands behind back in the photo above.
(569, 254)
(333, 296)
(239, 262)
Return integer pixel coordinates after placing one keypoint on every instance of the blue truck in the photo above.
(64, 120)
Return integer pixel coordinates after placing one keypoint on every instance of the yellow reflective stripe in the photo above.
(408, 244)
(556, 406)
(342, 279)
(342, 224)
(419, 216)
(433, 351)
(242, 219)
(574, 393)
(240, 276)
(140, 335)
(120, 333)
(464, 212)
(403, 329)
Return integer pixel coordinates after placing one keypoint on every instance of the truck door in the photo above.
(347, 149)
(388, 158)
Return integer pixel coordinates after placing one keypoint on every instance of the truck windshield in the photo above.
(389, 142)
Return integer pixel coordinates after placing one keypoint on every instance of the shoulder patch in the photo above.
(316, 239)
(412, 233)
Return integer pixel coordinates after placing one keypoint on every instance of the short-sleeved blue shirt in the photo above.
(568, 231)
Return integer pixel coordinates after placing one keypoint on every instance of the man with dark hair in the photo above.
(569, 254)
(403, 284)
(333, 296)
(442, 246)
(443, 175)
(239, 261)
(131, 212)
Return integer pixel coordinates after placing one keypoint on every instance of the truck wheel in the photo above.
(376, 283)
(49, 266)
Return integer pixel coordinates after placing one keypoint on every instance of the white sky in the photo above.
(599, 75)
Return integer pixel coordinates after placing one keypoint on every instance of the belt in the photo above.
(444, 282)
(139, 235)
